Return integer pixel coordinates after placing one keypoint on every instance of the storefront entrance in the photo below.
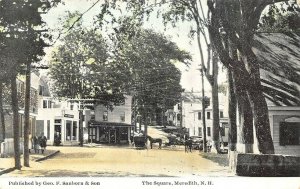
(112, 136)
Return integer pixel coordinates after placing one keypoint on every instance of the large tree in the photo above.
(149, 59)
(21, 43)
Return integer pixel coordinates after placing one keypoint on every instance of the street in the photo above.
(119, 162)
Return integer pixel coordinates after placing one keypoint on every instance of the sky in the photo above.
(191, 79)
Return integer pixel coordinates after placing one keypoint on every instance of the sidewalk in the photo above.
(9, 162)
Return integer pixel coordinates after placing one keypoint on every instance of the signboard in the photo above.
(68, 115)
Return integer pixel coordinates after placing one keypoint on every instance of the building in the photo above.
(111, 126)
(192, 115)
(58, 118)
(7, 147)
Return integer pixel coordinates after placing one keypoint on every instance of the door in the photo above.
(112, 136)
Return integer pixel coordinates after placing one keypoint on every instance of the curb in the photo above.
(48, 156)
(8, 170)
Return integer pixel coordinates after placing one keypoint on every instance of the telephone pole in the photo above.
(203, 112)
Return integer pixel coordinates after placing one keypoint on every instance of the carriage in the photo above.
(140, 141)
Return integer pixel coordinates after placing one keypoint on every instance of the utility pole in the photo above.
(203, 112)
(26, 114)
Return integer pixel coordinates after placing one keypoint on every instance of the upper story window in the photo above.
(122, 117)
(221, 114)
(199, 115)
(208, 115)
(41, 90)
(105, 116)
(47, 104)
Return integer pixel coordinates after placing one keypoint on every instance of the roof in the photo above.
(109, 124)
(279, 56)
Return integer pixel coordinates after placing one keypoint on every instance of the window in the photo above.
(222, 131)
(178, 117)
(74, 134)
(200, 131)
(208, 115)
(289, 133)
(221, 114)
(199, 115)
(68, 130)
(208, 131)
(48, 129)
(41, 90)
(122, 117)
(49, 104)
(44, 103)
(105, 116)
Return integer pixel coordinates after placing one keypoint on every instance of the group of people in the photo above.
(39, 143)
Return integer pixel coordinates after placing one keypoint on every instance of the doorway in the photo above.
(112, 136)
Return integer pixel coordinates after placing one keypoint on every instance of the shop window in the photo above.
(68, 130)
(105, 116)
(123, 134)
(289, 133)
(74, 134)
(208, 131)
(208, 115)
(122, 117)
(199, 115)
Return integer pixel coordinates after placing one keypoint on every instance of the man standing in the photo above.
(43, 142)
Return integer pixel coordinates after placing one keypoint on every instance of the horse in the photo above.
(154, 140)
(188, 145)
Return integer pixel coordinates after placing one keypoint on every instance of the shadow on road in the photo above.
(221, 159)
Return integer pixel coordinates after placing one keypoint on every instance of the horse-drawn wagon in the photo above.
(140, 141)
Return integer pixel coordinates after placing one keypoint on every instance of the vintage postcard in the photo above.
(149, 94)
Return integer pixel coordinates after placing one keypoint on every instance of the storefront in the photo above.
(109, 132)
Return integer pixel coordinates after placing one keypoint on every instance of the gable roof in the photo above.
(279, 56)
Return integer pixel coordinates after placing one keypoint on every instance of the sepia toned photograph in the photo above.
(149, 94)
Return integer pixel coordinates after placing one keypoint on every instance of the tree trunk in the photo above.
(2, 113)
(26, 117)
(16, 129)
(231, 113)
(261, 121)
(232, 133)
(246, 118)
(258, 104)
(215, 108)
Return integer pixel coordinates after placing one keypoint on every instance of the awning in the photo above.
(109, 124)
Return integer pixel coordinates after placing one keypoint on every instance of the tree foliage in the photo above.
(284, 17)
(80, 68)
(148, 59)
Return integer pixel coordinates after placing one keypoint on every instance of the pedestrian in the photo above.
(35, 144)
(43, 142)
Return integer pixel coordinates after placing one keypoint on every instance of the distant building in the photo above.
(111, 126)
(192, 115)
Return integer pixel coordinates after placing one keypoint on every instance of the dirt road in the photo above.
(120, 161)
